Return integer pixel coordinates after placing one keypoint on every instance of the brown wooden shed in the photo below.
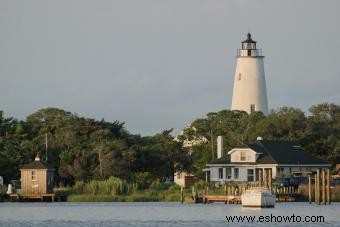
(36, 178)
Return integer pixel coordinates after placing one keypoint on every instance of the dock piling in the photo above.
(309, 189)
(323, 187)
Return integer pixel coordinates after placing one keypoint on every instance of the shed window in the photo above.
(34, 175)
(220, 173)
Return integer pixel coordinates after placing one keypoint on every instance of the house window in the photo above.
(252, 108)
(236, 173)
(280, 170)
(34, 175)
(250, 173)
(243, 156)
(220, 173)
(228, 173)
(239, 76)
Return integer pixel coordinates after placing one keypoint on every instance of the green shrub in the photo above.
(91, 187)
(143, 179)
(65, 191)
(79, 186)
(172, 197)
(200, 184)
(174, 187)
(156, 185)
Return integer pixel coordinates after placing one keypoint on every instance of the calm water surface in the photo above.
(154, 214)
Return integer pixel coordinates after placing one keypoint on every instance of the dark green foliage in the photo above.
(83, 149)
(318, 133)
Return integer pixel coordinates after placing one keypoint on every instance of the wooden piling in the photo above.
(315, 190)
(182, 195)
(318, 186)
(270, 179)
(309, 189)
(323, 187)
(328, 188)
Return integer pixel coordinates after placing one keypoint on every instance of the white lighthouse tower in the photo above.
(249, 92)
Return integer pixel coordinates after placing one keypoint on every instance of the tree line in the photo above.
(81, 149)
(318, 132)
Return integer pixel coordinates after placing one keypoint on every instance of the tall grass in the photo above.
(112, 186)
(117, 190)
(3, 194)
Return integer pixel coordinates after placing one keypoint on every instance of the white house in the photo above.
(260, 160)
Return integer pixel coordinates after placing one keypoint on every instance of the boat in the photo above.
(258, 197)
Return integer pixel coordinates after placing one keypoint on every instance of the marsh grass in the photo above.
(3, 194)
(117, 190)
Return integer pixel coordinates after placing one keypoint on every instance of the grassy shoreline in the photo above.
(111, 198)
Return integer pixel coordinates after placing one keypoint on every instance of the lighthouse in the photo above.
(249, 93)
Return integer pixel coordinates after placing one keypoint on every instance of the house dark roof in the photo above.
(277, 152)
(35, 165)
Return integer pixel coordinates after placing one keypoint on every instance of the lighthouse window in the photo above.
(252, 108)
(239, 76)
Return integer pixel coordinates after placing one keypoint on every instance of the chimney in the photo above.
(219, 146)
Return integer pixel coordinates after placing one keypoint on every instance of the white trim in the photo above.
(237, 149)
(239, 164)
(304, 165)
(278, 165)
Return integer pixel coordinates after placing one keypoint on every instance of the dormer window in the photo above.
(243, 156)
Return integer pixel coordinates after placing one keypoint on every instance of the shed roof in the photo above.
(36, 165)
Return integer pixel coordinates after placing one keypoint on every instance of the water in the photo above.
(155, 214)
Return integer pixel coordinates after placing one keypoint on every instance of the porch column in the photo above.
(261, 176)
(206, 176)
(265, 178)
(270, 177)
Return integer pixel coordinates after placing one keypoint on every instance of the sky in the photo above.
(157, 64)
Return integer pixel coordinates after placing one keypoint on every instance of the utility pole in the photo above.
(46, 146)
(212, 144)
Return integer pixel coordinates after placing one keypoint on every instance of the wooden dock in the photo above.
(227, 199)
(35, 197)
